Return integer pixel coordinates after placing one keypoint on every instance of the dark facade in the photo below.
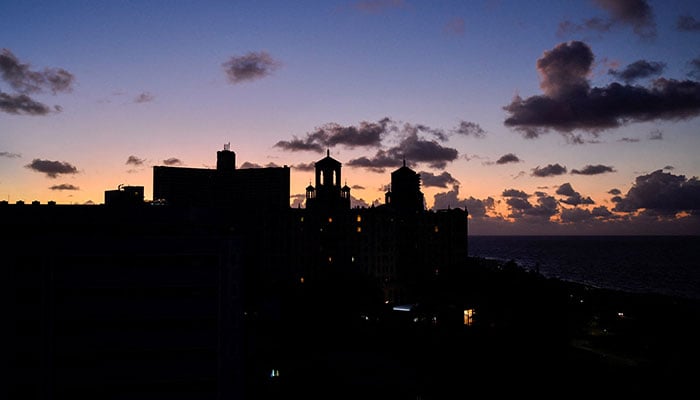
(148, 299)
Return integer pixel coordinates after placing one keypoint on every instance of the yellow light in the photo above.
(469, 316)
(359, 229)
(359, 218)
(330, 219)
(436, 229)
(301, 280)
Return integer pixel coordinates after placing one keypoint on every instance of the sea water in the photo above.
(668, 265)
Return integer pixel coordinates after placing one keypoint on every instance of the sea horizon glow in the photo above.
(560, 118)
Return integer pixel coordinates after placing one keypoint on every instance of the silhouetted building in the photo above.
(405, 194)
(124, 196)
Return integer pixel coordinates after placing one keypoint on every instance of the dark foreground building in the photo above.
(192, 295)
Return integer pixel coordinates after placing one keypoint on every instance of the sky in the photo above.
(548, 117)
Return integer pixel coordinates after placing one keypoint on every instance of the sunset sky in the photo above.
(548, 117)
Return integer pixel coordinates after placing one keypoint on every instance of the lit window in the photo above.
(436, 229)
(359, 229)
(330, 219)
(359, 218)
(469, 317)
(301, 219)
(330, 259)
(301, 280)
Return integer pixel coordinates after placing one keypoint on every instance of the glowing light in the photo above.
(469, 316)
(359, 218)
(301, 280)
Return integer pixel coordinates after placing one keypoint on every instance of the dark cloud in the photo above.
(413, 149)
(669, 168)
(431, 180)
(133, 160)
(656, 135)
(21, 78)
(64, 186)
(638, 70)
(687, 23)
(249, 67)
(629, 140)
(476, 208)
(357, 187)
(378, 6)
(22, 104)
(7, 154)
(615, 191)
(569, 103)
(593, 170)
(578, 215)
(467, 128)
(144, 97)
(247, 165)
(172, 161)
(573, 197)
(52, 168)
(366, 134)
(662, 193)
(415, 129)
(515, 193)
(549, 170)
(305, 166)
(508, 158)
(694, 68)
(636, 13)
(545, 208)
(297, 144)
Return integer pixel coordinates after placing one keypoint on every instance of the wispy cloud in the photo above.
(687, 23)
(7, 154)
(638, 70)
(637, 14)
(172, 161)
(145, 97)
(593, 170)
(64, 186)
(135, 161)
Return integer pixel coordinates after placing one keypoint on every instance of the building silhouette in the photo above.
(133, 297)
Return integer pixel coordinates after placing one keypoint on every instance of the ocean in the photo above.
(668, 265)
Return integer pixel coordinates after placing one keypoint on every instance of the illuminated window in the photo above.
(359, 218)
(330, 219)
(330, 259)
(469, 317)
(301, 219)
(359, 229)
(301, 280)
(436, 229)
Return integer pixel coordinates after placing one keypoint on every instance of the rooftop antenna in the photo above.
(227, 146)
(328, 152)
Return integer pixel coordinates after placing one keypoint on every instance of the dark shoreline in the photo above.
(537, 333)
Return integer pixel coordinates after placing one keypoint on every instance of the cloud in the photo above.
(668, 168)
(249, 67)
(297, 200)
(477, 208)
(133, 160)
(635, 13)
(357, 187)
(569, 103)
(378, 6)
(629, 140)
(455, 26)
(249, 165)
(573, 197)
(687, 23)
(662, 193)
(366, 134)
(578, 215)
(305, 166)
(64, 186)
(412, 148)
(695, 68)
(593, 170)
(521, 208)
(442, 180)
(515, 193)
(172, 161)
(467, 128)
(638, 70)
(656, 135)
(508, 158)
(22, 104)
(52, 168)
(144, 97)
(21, 78)
(614, 191)
(355, 202)
(549, 170)
(7, 154)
